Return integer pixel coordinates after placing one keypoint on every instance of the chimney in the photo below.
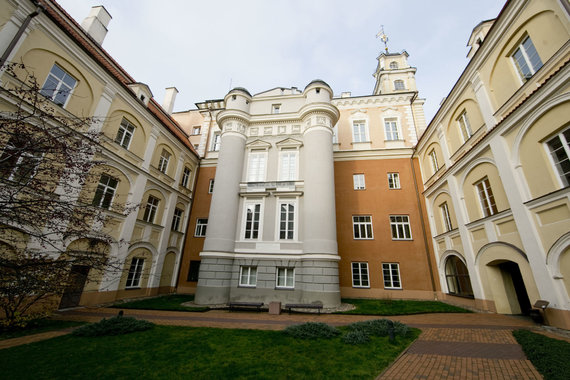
(169, 97)
(96, 23)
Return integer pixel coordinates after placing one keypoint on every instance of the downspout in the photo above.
(39, 9)
(418, 200)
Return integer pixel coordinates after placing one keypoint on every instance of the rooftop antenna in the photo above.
(383, 37)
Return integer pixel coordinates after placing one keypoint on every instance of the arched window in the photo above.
(399, 85)
(393, 65)
(457, 276)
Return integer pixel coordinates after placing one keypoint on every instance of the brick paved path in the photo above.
(451, 346)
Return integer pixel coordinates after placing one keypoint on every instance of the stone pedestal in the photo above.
(275, 308)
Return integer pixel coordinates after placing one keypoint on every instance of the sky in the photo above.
(205, 48)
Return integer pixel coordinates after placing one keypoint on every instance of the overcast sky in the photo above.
(204, 47)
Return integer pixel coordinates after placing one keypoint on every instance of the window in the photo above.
(393, 65)
(464, 126)
(358, 180)
(393, 180)
(201, 224)
(247, 276)
(288, 170)
(434, 164)
(163, 161)
(360, 275)
(486, 197)
(275, 108)
(391, 274)
(211, 187)
(391, 128)
(359, 131)
(400, 226)
(20, 160)
(176, 219)
(286, 278)
(256, 166)
(445, 217)
(559, 147)
(185, 177)
(196, 146)
(105, 191)
(362, 227)
(457, 277)
(526, 59)
(286, 221)
(216, 142)
(58, 86)
(399, 85)
(125, 134)
(252, 217)
(150, 209)
(196, 130)
(193, 271)
(135, 273)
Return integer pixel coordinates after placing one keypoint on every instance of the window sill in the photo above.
(363, 238)
(247, 286)
(361, 287)
(133, 288)
(393, 288)
(284, 288)
(402, 239)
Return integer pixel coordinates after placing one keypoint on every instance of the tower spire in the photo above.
(383, 37)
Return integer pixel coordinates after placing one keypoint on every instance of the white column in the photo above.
(483, 101)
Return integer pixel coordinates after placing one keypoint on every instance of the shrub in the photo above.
(379, 327)
(312, 330)
(113, 326)
(356, 337)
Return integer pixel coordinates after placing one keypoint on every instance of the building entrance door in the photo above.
(72, 294)
(515, 288)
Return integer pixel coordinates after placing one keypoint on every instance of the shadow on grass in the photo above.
(172, 302)
(38, 326)
(398, 307)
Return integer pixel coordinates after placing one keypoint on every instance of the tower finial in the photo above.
(383, 37)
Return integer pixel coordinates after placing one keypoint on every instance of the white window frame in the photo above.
(256, 166)
(289, 172)
(176, 219)
(393, 65)
(433, 157)
(389, 130)
(186, 173)
(201, 226)
(251, 232)
(164, 160)
(211, 186)
(294, 203)
(446, 217)
(362, 135)
(563, 178)
(532, 69)
(196, 130)
(275, 109)
(250, 277)
(135, 273)
(151, 209)
(125, 134)
(399, 85)
(359, 181)
(365, 227)
(486, 197)
(388, 281)
(12, 151)
(61, 87)
(105, 189)
(357, 274)
(216, 141)
(464, 126)
(400, 227)
(282, 277)
(394, 181)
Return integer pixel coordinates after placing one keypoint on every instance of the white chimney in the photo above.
(96, 23)
(169, 97)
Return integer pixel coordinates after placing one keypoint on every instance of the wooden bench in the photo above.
(537, 311)
(239, 305)
(317, 306)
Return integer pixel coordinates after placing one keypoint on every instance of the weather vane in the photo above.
(383, 37)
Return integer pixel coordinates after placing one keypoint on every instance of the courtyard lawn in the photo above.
(39, 326)
(167, 352)
(549, 356)
(399, 307)
(171, 302)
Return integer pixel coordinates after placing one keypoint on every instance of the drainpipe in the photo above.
(39, 9)
(424, 232)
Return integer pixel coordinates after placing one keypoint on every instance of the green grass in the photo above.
(399, 307)
(171, 303)
(39, 326)
(549, 356)
(167, 352)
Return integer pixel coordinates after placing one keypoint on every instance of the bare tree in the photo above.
(48, 193)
